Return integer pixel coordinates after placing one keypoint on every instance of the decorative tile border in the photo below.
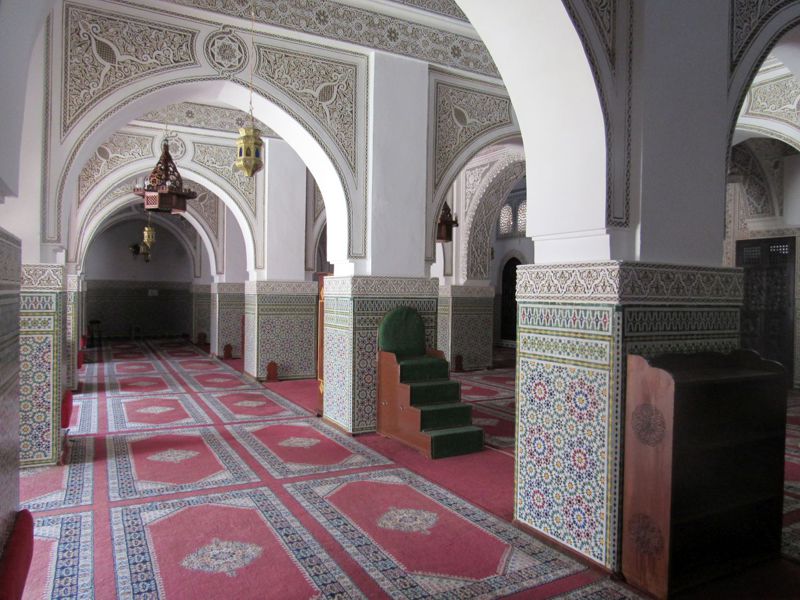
(227, 310)
(381, 287)
(629, 283)
(41, 346)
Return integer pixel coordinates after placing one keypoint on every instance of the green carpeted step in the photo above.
(437, 416)
(440, 391)
(423, 368)
(455, 441)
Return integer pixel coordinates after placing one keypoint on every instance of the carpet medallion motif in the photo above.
(246, 541)
(251, 405)
(151, 464)
(148, 411)
(303, 447)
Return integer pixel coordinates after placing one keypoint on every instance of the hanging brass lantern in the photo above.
(148, 236)
(444, 229)
(249, 150)
(163, 190)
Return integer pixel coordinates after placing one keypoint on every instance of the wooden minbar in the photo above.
(703, 467)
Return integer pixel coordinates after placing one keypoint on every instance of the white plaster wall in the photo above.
(235, 255)
(791, 190)
(504, 249)
(397, 158)
(285, 213)
(21, 212)
(545, 70)
(109, 258)
(680, 131)
(20, 26)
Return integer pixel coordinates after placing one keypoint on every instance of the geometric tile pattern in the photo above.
(284, 326)
(201, 311)
(354, 308)
(41, 348)
(576, 325)
(227, 311)
(293, 449)
(10, 265)
(466, 316)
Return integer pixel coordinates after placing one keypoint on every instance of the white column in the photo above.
(397, 165)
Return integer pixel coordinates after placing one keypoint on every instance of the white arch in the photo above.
(556, 101)
(132, 101)
(219, 188)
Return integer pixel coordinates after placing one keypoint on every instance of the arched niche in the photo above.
(319, 154)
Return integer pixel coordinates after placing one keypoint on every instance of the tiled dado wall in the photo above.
(354, 308)
(281, 326)
(465, 322)
(577, 322)
(73, 331)
(10, 254)
(201, 311)
(156, 308)
(227, 310)
(42, 376)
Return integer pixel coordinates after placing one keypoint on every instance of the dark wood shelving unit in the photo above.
(703, 472)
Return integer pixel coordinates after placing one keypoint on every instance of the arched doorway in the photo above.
(508, 303)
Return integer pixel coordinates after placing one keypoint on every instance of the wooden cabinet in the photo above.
(703, 467)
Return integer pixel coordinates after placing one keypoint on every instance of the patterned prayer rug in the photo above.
(220, 380)
(304, 447)
(402, 530)
(84, 415)
(251, 405)
(62, 565)
(605, 589)
(503, 378)
(60, 486)
(151, 464)
(472, 392)
(243, 544)
(127, 412)
(155, 383)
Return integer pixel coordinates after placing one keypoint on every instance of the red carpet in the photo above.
(186, 480)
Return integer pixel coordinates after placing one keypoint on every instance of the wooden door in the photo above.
(508, 307)
(768, 312)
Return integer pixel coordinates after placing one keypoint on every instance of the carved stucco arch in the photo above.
(313, 146)
(482, 214)
(109, 219)
(88, 209)
(752, 45)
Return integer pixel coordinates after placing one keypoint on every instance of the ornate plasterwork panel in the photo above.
(446, 8)
(220, 159)
(204, 116)
(319, 202)
(462, 115)
(757, 191)
(482, 222)
(777, 99)
(326, 87)
(43, 277)
(331, 19)
(206, 205)
(747, 19)
(120, 149)
(603, 13)
(104, 51)
(629, 283)
(226, 51)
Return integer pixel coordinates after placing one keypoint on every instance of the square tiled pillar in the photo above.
(73, 330)
(354, 308)
(465, 322)
(281, 327)
(41, 375)
(576, 325)
(201, 311)
(227, 311)
(10, 253)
